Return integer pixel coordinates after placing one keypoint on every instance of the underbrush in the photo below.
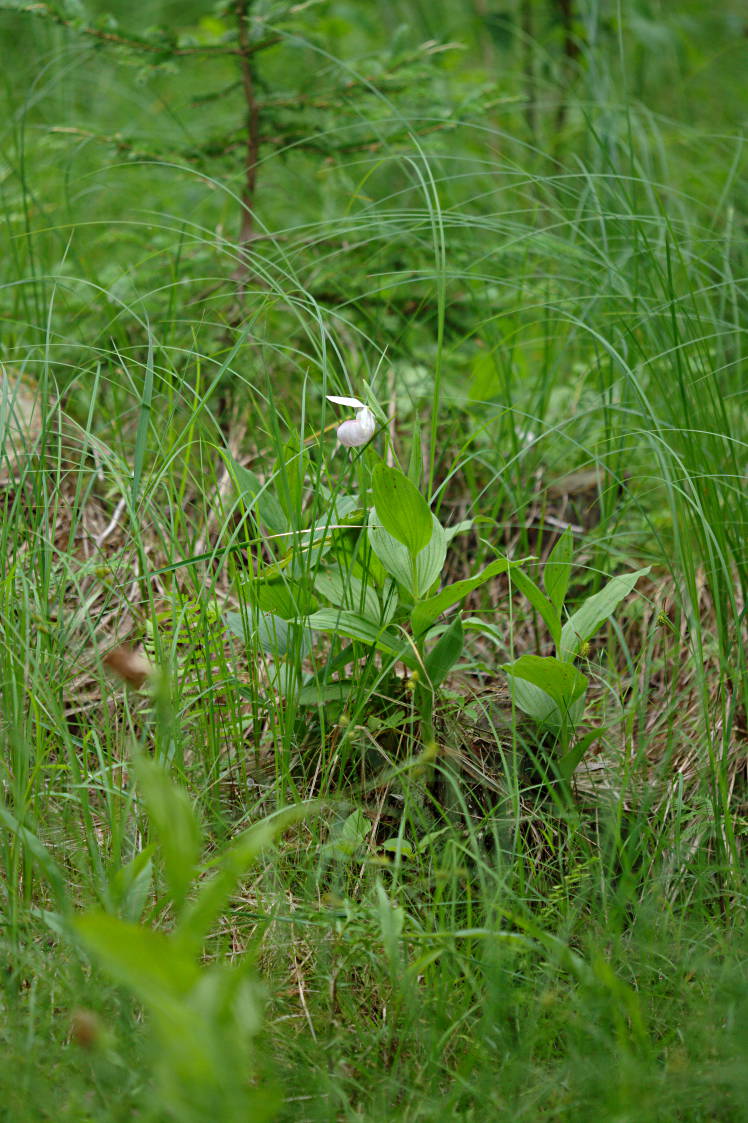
(287, 830)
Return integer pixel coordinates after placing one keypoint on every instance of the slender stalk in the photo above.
(252, 150)
(570, 53)
(528, 66)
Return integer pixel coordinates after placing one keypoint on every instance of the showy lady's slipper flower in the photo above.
(353, 433)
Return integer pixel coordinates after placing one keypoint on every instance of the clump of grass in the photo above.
(546, 297)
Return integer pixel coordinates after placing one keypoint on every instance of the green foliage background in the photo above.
(524, 225)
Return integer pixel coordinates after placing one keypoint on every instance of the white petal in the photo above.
(353, 434)
(366, 420)
(354, 403)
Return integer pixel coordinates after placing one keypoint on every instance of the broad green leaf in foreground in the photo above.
(546, 688)
(562, 681)
(427, 611)
(320, 695)
(174, 822)
(349, 592)
(401, 508)
(271, 632)
(398, 561)
(557, 570)
(445, 652)
(568, 764)
(540, 603)
(285, 597)
(354, 626)
(151, 963)
(595, 611)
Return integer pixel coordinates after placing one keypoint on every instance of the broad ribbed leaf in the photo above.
(286, 598)
(562, 681)
(548, 689)
(534, 701)
(540, 602)
(401, 508)
(398, 562)
(558, 569)
(595, 611)
(354, 626)
(325, 692)
(568, 763)
(272, 633)
(445, 652)
(427, 611)
(346, 591)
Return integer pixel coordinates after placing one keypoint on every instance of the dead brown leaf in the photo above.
(129, 664)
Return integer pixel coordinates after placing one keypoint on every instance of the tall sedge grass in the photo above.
(530, 306)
